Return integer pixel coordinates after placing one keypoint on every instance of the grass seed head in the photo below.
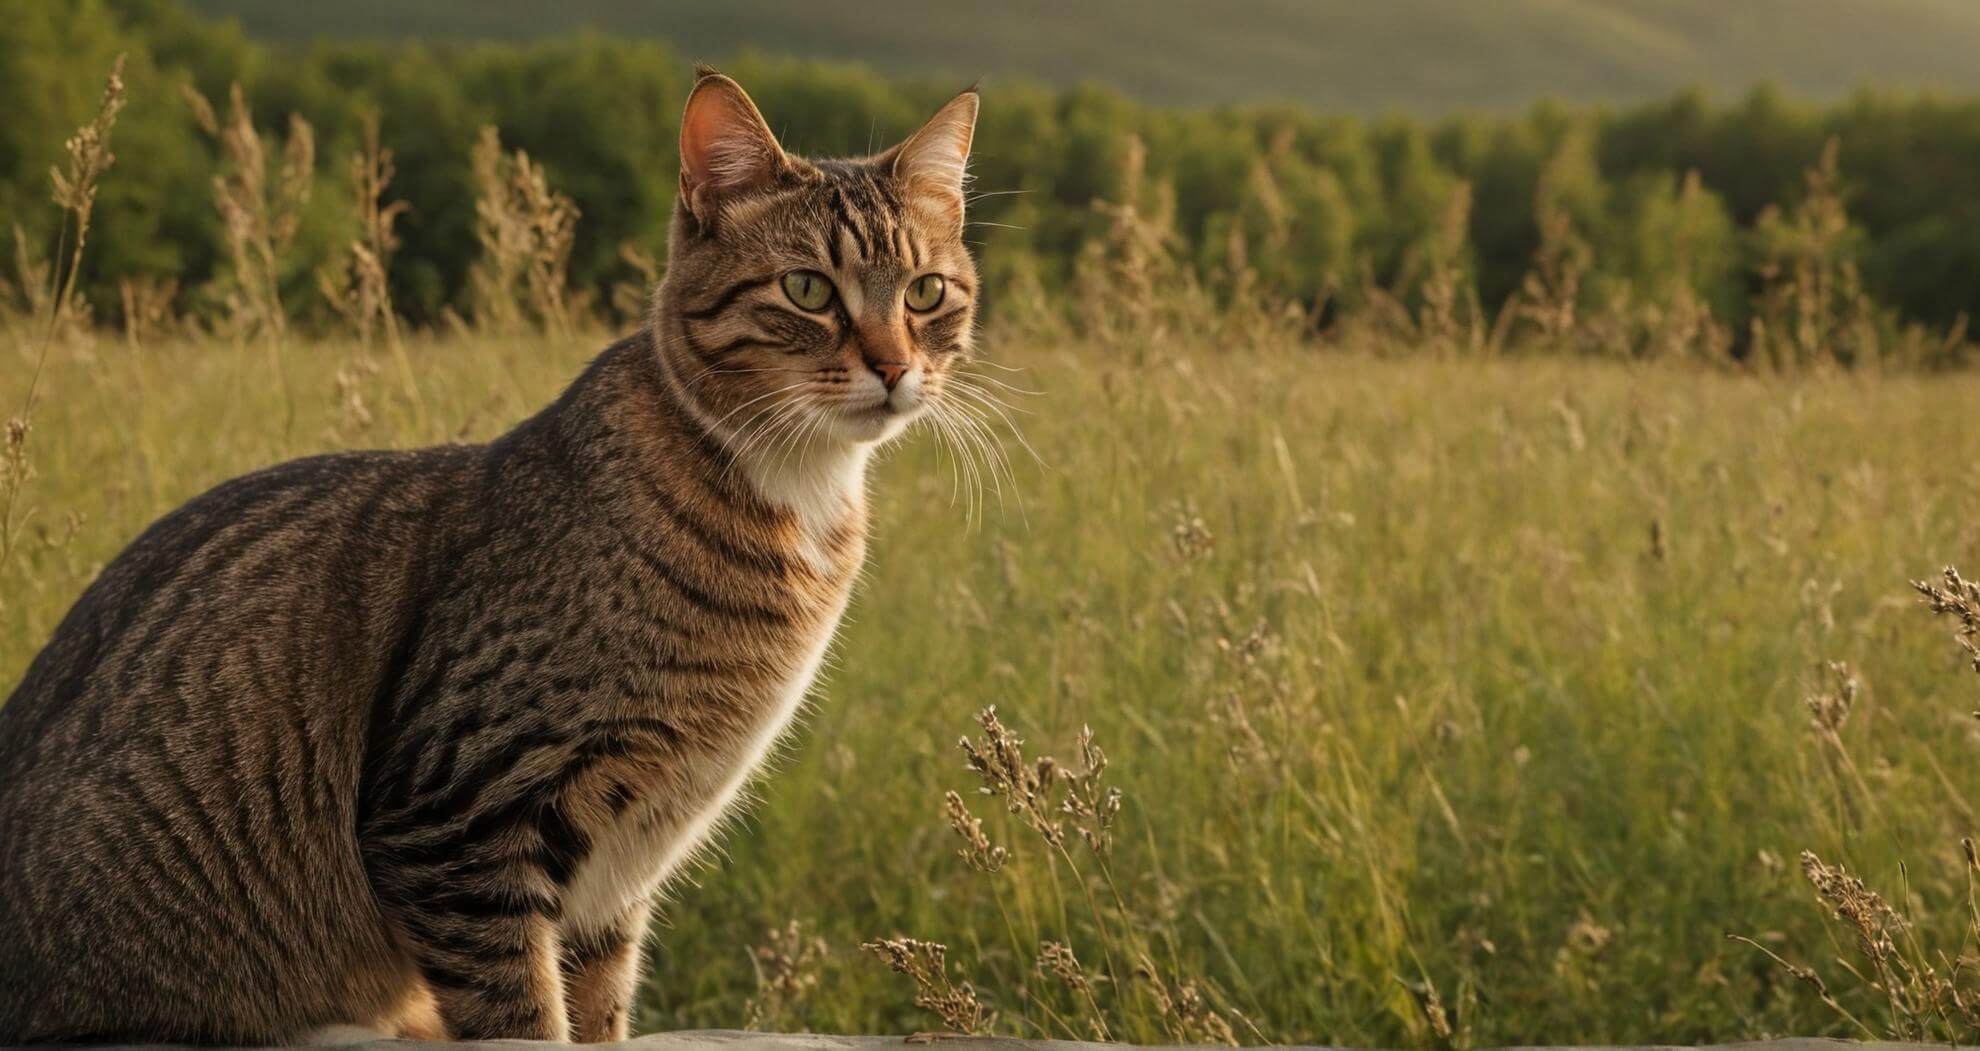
(977, 848)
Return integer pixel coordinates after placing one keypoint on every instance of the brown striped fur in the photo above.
(409, 740)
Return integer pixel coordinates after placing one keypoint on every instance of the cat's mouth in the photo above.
(875, 421)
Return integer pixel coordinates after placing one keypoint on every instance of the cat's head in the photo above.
(815, 301)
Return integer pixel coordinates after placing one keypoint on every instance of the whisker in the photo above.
(1012, 387)
(752, 401)
(964, 458)
(978, 426)
(993, 404)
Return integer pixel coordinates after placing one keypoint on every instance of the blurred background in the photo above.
(1673, 138)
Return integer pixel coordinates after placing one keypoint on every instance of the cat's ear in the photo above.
(933, 163)
(726, 148)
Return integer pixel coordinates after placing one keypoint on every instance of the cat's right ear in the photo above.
(726, 148)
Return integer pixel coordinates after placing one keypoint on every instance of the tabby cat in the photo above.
(408, 741)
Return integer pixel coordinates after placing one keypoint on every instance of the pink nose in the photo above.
(890, 372)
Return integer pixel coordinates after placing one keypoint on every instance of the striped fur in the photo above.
(408, 741)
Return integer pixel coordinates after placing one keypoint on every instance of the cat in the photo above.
(408, 741)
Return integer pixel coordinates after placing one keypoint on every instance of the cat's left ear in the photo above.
(934, 162)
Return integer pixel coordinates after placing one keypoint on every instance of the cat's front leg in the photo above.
(601, 971)
(495, 977)
(482, 931)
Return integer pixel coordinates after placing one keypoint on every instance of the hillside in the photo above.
(1419, 55)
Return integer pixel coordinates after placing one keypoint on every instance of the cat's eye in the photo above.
(925, 292)
(809, 289)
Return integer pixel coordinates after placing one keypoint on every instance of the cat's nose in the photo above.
(890, 373)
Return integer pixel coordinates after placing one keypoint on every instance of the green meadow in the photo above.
(1431, 684)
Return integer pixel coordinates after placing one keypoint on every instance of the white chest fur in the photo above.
(635, 856)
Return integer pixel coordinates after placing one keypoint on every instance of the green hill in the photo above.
(1420, 55)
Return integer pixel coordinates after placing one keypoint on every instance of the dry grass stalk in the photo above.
(87, 157)
(630, 298)
(787, 965)
(926, 964)
(75, 183)
(1026, 789)
(1448, 315)
(360, 289)
(1958, 598)
(1813, 310)
(1060, 802)
(1047, 792)
(526, 231)
(1925, 995)
(1131, 283)
(1186, 1015)
(1436, 1017)
(147, 308)
(260, 210)
(1551, 292)
(977, 848)
(1191, 535)
(1830, 708)
(32, 293)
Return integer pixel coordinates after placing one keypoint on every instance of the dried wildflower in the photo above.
(147, 307)
(1959, 599)
(630, 298)
(1830, 708)
(1191, 536)
(998, 761)
(1185, 1013)
(1247, 746)
(526, 232)
(1093, 805)
(51, 287)
(75, 184)
(1862, 910)
(786, 967)
(359, 288)
(977, 848)
(1046, 791)
(1807, 976)
(1057, 960)
(1587, 937)
(926, 963)
(1435, 1015)
(261, 213)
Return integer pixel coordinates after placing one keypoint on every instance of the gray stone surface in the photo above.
(730, 1040)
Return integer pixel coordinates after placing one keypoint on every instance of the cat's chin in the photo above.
(870, 426)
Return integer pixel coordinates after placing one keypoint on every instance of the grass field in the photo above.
(1475, 684)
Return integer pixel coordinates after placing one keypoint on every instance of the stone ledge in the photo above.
(732, 1040)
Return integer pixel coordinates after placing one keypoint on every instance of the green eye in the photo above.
(809, 289)
(926, 292)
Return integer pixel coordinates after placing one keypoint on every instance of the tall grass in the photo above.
(57, 313)
(1418, 676)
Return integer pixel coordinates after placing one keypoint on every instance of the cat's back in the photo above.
(235, 562)
(188, 743)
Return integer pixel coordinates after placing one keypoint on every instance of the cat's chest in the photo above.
(725, 726)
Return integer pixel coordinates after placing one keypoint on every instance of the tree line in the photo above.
(1687, 195)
